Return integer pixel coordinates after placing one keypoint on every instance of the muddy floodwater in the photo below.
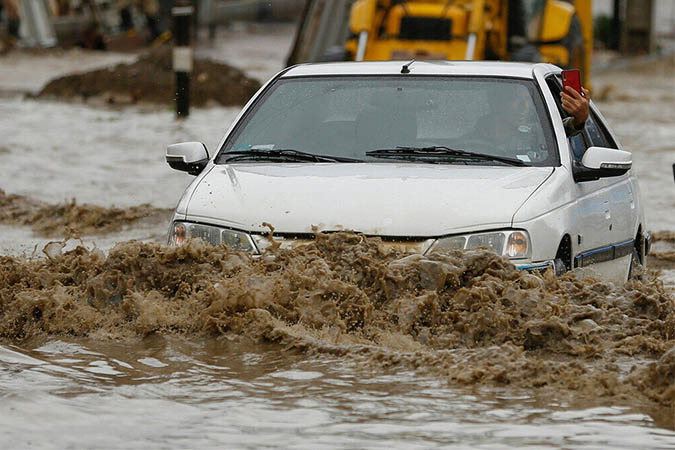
(110, 340)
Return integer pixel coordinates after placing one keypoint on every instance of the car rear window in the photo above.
(348, 116)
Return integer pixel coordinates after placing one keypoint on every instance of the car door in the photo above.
(594, 222)
(622, 205)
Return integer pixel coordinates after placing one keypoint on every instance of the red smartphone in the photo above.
(573, 79)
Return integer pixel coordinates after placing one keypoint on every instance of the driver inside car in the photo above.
(509, 121)
(509, 125)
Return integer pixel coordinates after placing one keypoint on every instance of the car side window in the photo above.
(598, 134)
(578, 146)
(578, 142)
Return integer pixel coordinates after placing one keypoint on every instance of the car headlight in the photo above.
(236, 240)
(512, 243)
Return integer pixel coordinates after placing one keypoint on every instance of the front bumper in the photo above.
(539, 267)
(421, 247)
(260, 243)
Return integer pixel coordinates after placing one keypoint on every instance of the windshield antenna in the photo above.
(406, 67)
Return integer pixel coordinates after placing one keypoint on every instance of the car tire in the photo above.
(635, 269)
(559, 266)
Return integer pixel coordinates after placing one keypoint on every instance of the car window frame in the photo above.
(585, 137)
(602, 127)
(546, 122)
(593, 117)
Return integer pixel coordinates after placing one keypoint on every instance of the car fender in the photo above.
(639, 207)
(547, 215)
(184, 202)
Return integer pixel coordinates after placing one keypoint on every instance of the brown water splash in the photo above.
(667, 236)
(470, 317)
(71, 218)
(664, 257)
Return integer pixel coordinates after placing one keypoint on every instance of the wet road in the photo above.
(169, 392)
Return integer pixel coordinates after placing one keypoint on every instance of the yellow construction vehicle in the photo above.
(555, 31)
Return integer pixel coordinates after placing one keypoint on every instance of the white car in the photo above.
(426, 155)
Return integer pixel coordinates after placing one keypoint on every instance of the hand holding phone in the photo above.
(572, 78)
(576, 105)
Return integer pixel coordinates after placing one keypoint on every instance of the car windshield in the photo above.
(350, 117)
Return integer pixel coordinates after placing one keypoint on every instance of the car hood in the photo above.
(388, 199)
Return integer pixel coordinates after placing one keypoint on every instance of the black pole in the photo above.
(182, 55)
(615, 30)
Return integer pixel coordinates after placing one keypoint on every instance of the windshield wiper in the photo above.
(282, 153)
(439, 151)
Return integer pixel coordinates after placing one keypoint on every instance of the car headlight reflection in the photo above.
(449, 243)
(236, 240)
(493, 241)
(512, 243)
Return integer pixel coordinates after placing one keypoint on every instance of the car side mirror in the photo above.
(601, 162)
(190, 157)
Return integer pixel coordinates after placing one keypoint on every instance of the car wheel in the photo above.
(636, 269)
(559, 266)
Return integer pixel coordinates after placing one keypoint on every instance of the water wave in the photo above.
(71, 218)
(470, 317)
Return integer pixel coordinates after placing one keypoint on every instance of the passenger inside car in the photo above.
(577, 106)
(574, 111)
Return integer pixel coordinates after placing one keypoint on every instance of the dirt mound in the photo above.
(151, 80)
(69, 219)
(470, 317)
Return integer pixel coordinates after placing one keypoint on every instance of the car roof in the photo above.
(483, 68)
